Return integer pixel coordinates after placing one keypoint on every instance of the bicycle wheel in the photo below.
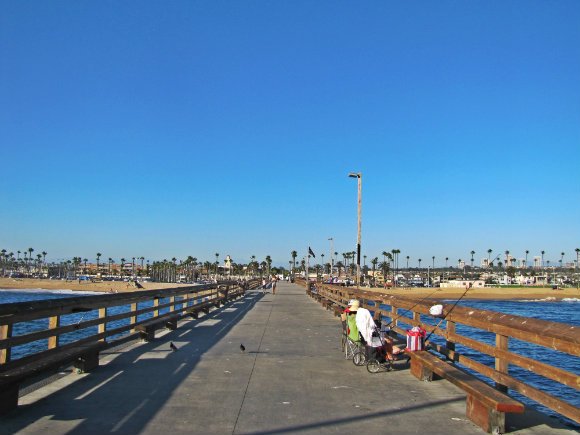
(359, 358)
(373, 366)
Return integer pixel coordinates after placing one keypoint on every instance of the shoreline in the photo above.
(488, 293)
(83, 286)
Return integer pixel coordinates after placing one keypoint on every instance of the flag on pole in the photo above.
(310, 252)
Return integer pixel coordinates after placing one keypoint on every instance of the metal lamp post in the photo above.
(331, 257)
(358, 176)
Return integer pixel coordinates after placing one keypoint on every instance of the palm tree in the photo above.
(44, 254)
(472, 254)
(384, 254)
(85, 261)
(269, 263)
(98, 258)
(322, 261)
(543, 252)
(30, 251)
(293, 254)
(141, 258)
(507, 260)
(561, 259)
(489, 251)
(122, 267)
(527, 252)
(433, 258)
(446, 260)
(577, 254)
(408, 262)
(374, 262)
(419, 263)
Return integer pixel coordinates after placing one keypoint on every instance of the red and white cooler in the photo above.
(415, 339)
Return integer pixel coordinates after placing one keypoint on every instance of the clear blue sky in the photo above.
(167, 129)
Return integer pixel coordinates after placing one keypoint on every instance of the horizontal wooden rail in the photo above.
(404, 313)
(178, 301)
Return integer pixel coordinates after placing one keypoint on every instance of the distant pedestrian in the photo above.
(263, 285)
(274, 280)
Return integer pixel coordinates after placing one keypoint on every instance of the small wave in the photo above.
(548, 299)
(570, 300)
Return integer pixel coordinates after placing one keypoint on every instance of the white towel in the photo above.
(365, 324)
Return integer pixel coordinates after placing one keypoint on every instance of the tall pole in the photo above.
(331, 257)
(358, 176)
(307, 272)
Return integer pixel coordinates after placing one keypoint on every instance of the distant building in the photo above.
(460, 283)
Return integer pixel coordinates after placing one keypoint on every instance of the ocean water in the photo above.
(11, 296)
(565, 311)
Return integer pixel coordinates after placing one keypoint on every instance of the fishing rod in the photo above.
(399, 315)
(448, 312)
(455, 304)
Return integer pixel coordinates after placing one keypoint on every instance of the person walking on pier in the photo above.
(274, 280)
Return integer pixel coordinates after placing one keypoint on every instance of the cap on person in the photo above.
(354, 305)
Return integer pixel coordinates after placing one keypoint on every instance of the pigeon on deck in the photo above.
(173, 347)
(242, 348)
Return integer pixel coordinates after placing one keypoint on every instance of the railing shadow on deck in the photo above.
(112, 383)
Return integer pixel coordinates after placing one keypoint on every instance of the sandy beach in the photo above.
(105, 286)
(435, 293)
(485, 293)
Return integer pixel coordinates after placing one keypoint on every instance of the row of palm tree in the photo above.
(391, 262)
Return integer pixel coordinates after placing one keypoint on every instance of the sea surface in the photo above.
(566, 311)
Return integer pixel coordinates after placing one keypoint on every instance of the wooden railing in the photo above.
(143, 306)
(405, 313)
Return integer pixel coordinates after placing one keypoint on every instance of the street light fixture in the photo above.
(358, 176)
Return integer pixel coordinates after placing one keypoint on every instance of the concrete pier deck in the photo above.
(292, 378)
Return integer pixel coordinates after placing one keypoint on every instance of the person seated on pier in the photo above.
(344, 315)
(371, 333)
(351, 327)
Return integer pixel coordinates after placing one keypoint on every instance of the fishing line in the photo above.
(455, 304)
(399, 315)
(448, 312)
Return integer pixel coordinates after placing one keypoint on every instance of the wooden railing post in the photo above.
(133, 318)
(449, 344)
(103, 324)
(185, 303)
(416, 318)
(501, 364)
(5, 354)
(156, 304)
(394, 323)
(53, 323)
(172, 302)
